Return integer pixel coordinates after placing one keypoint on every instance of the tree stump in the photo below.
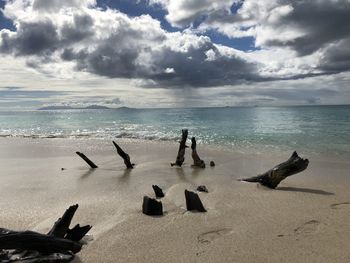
(197, 162)
(181, 153)
(193, 202)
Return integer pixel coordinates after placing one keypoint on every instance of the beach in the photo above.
(304, 220)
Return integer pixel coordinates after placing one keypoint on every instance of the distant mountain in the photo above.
(90, 107)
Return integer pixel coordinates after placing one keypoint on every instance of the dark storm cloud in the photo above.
(35, 38)
(323, 22)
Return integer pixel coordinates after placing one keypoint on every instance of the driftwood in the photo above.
(152, 207)
(158, 191)
(273, 177)
(87, 160)
(59, 245)
(193, 202)
(125, 156)
(181, 153)
(197, 162)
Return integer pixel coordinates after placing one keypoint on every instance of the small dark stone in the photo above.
(212, 164)
(202, 188)
(158, 191)
(152, 207)
(193, 202)
(62, 169)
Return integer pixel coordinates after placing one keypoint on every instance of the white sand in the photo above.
(305, 220)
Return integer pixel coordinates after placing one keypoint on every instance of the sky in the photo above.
(174, 53)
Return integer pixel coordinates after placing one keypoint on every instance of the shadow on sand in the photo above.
(304, 190)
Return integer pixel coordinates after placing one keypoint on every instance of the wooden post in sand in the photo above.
(56, 246)
(125, 156)
(87, 160)
(273, 177)
(181, 153)
(197, 162)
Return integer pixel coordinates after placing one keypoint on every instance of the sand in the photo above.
(306, 219)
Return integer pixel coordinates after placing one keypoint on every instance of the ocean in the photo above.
(319, 129)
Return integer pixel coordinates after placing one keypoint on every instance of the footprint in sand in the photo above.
(207, 237)
(340, 205)
(309, 227)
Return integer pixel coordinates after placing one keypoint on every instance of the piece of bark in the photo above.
(87, 160)
(202, 188)
(29, 240)
(158, 191)
(193, 202)
(197, 162)
(125, 156)
(152, 207)
(273, 177)
(181, 153)
(77, 232)
(61, 226)
(32, 256)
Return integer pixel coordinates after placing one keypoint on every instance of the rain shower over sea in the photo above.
(319, 129)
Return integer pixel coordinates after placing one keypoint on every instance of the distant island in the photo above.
(90, 107)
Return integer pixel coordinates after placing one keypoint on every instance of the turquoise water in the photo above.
(324, 129)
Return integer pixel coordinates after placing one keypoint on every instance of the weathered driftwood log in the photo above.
(197, 162)
(158, 191)
(193, 202)
(181, 153)
(59, 245)
(125, 156)
(152, 207)
(87, 160)
(273, 177)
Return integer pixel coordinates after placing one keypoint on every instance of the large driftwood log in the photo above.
(181, 153)
(125, 156)
(87, 160)
(197, 162)
(59, 245)
(273, 177)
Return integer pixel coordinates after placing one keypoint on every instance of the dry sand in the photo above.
(305, 220)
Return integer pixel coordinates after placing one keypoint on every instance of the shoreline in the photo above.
(245, 222)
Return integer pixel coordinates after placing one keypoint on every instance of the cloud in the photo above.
(294, 39)
(303, 28)
(111, 44)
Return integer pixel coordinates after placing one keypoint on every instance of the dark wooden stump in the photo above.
(197, 162)
(273, 177)
(193, 202)
(87, 160)
(158, 191)
(125, 156)
(181, 153)
(152, 207)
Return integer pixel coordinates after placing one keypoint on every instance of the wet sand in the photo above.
(306, 219)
